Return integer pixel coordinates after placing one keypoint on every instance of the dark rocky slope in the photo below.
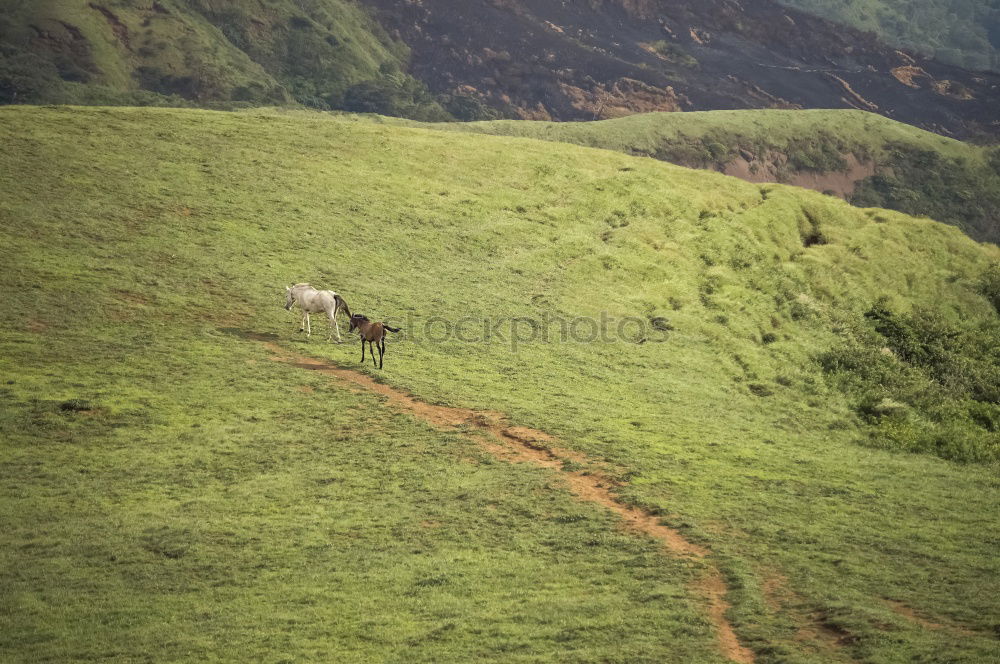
(552, 59)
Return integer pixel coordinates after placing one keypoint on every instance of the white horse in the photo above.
(315, 301)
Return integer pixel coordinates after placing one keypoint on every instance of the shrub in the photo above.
(822, 152)
(685, 151)
(371, 97)
(800, 310)
(923, 383)
(398, 95)
(673, 53)
(661, 324)
(717, 150)
(922, 182)
(874, 407)
(989, 285)
(469, 109)
(25, 77)
(994, 160)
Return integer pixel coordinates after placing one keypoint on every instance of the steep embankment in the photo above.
(771, 372)
(869, 160)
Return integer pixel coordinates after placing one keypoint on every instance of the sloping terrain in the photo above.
(478, 59)
(554, 60)
(961, 32)
(861, 157)
(170, 489)
(201, 52)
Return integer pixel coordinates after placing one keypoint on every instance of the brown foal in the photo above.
(371, 332)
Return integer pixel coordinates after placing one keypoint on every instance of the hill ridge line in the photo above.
(493, 432)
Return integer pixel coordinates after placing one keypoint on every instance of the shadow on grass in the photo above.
(249, 334)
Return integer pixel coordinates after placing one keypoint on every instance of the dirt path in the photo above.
(523, 445)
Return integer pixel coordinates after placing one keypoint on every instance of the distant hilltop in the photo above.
(481, 59)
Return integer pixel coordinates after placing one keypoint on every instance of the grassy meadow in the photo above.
(213, 505)
(172, 494)
(911, 170)
(645, 134)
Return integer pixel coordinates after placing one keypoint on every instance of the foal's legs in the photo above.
(372, 351)
(362, 350)
(381, 352)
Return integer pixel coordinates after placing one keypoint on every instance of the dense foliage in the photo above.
(924, 182)
(393, 94)
(919, 379)
(960, 32)
(820, 151)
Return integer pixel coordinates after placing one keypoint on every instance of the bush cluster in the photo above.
(922, 383)
(989, 285)
(672, 52)
(822, 152)
(923, 182)
(398, 95)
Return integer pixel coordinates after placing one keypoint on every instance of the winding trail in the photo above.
(517, 444)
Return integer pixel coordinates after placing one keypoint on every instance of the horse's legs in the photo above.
(308, 326)
(372, 352)
(333, 320)
(362, 350)
(381, 352)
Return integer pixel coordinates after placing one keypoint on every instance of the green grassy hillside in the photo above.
(961, 32)
(649, 134)
(867, 158)
(324, 53)
(170, 490)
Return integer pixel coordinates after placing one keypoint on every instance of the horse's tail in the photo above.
(392, 329)
(342, 304)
